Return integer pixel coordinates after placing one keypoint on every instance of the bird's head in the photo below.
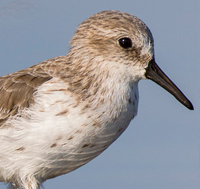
(122, 41)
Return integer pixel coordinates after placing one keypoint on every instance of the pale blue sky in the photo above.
(160, 149)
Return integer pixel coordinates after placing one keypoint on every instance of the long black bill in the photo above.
(154, 73)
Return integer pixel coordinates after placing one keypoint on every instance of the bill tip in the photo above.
(189, 105)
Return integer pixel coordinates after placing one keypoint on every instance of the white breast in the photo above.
(57, 134)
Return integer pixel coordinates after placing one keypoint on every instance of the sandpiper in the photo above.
(61, 113)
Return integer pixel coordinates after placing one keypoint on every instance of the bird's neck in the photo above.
(97, 83)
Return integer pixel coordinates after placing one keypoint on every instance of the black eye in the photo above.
(125, 42)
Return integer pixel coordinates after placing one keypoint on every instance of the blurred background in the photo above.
(160, 148)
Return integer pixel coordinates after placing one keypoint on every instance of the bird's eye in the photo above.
(125, 42)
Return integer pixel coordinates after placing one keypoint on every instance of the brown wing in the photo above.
(16, 91)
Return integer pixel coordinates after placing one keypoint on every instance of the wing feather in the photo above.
(16, 91)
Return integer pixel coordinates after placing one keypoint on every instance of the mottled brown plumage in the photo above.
(16, 91)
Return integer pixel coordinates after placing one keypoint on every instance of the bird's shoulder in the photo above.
(17, 89)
